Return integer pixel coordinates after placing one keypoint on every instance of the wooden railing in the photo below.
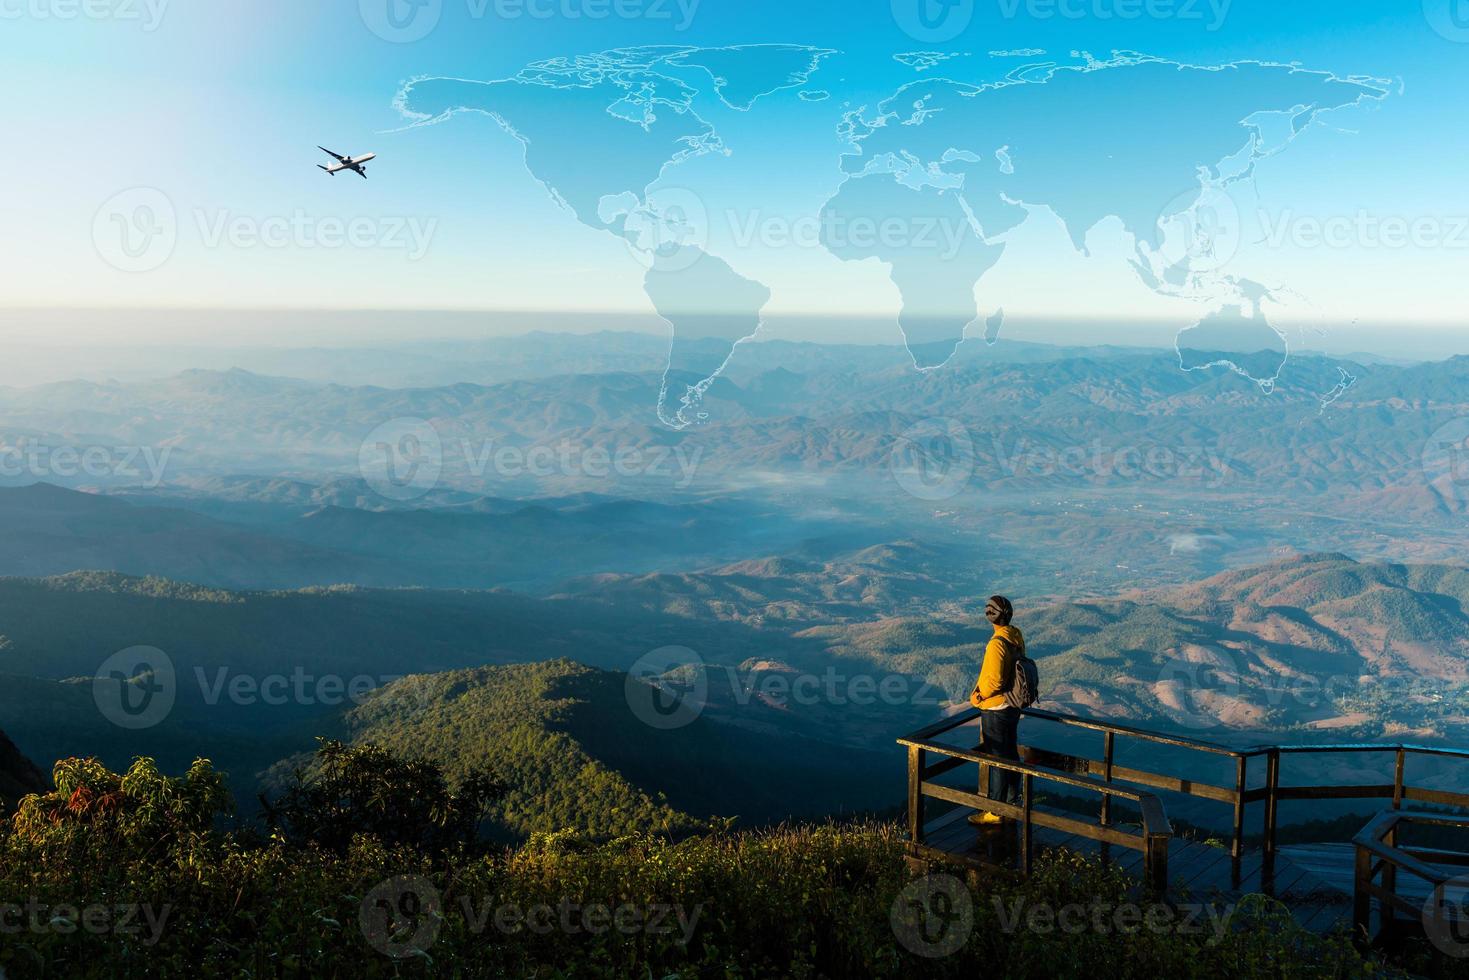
(1152, 841)
(1102, 776)
(1380, 857)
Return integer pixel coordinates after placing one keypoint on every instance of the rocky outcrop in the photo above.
(18, 776)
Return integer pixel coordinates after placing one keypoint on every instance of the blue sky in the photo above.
(217, 107)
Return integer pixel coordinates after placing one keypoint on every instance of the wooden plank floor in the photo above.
(1315, 885)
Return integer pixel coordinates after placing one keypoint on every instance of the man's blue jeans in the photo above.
(1001, 737)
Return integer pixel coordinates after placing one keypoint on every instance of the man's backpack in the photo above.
(1026, 688)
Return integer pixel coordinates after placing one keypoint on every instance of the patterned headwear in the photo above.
(1000, 605)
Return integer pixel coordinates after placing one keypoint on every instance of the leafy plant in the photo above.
(365, 789)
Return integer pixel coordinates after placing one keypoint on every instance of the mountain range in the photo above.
(791, 719)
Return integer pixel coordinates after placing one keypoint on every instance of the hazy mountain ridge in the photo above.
(836, 423)
(562, 735)
(294, 538)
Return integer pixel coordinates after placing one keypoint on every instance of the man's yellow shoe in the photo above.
(986, 819)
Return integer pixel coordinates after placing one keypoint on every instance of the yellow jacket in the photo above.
(997, 674)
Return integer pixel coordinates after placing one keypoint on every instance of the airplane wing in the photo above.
(340, 158)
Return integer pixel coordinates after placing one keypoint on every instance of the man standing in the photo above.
(999, 718)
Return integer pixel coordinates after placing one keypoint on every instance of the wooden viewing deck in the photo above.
(1374, 884)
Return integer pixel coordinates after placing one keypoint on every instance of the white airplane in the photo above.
(354, 164)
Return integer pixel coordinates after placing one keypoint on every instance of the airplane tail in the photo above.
(327, 169)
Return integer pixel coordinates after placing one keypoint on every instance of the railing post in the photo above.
(1272, 814)
(1387, 910)
(984, 767)
(916, 760)
(1272, 801)
(1107, 747)
(1361, 896)
(1397, 782)
(1240, 778)
(1155, 863)
(1026, 841)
